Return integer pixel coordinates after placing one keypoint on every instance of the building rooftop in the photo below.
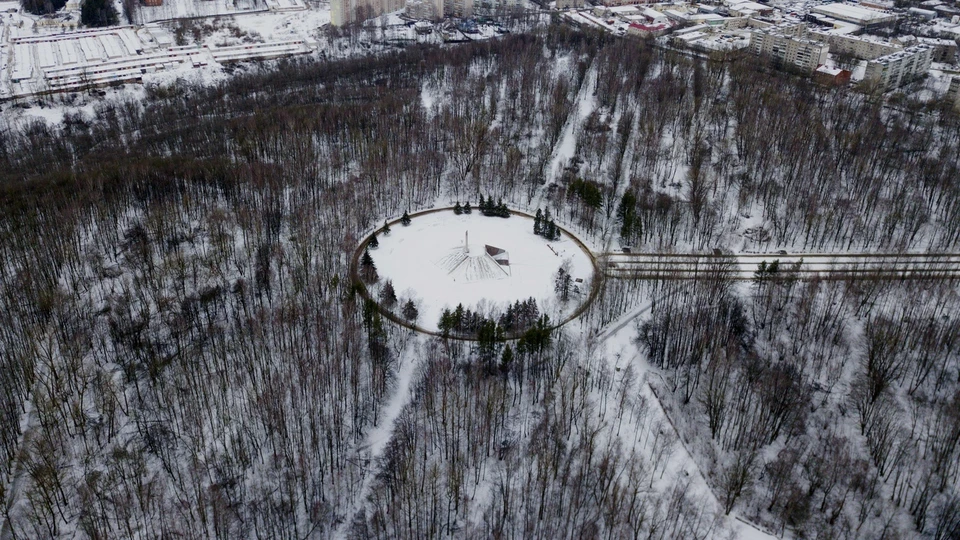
(899, 55)
(650, 27)
(829, 70)
(937, 41)
(849, 11)
(691, 36)
(863, 37)
(747, 4)
(689, 29)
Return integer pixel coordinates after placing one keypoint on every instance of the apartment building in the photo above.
(895, 70)
(953, 94)
(788, 48)
(492, 7)
(944, 50)
(344, 12)
(431, 10)
(863, 48)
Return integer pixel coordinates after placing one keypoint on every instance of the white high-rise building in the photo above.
(458, 8)
(862, 47)
(425, 9)
(895, 70)
(493, 7)
(791, 50)
(344, 12)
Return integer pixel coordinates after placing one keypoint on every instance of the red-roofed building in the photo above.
(648, 30)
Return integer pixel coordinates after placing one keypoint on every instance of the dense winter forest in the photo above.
(184, 353)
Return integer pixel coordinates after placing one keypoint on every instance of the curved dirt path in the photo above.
(595, 284)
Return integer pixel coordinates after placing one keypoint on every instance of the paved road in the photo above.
(812, 265)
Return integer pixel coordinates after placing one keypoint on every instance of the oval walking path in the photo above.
(595, 284)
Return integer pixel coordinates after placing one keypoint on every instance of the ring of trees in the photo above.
(360, 287)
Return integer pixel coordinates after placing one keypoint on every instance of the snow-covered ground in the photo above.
(617, 342)
(415, 257)
(74, 60)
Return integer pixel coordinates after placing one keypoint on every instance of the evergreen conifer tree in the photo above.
(374, 243)
(467, 209)
(489, 336)
(405, 219)
(457, 209)
(386, 227)
(458, 317)
(446, 323)
(506, 360)
(537, 338)
(627, 215)
(368, 270)
(538, 223)
(760, 274)
(410, 312)
(98, 13)
(388, 295)
(502, 209)
(562, 284)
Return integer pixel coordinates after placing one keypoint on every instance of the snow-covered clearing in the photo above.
(412, 257)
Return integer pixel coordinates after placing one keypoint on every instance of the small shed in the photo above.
(829, 76)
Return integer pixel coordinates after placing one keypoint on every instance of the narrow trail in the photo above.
(380, 435)
(742, 528)
(566, 146)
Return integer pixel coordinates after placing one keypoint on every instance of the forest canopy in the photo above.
(182, 351)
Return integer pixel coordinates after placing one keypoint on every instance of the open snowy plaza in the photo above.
(505, 262)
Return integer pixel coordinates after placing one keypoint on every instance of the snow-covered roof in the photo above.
(740, 6)
(853, 13)
(829, 70)
(475, 264)
(690, 29)
(691, 36)
(650, 27)
(937, 41)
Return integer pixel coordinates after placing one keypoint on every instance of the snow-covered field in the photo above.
(417, 259)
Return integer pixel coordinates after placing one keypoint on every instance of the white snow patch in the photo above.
(409, 256)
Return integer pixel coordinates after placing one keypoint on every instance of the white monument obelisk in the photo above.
(466, 242)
